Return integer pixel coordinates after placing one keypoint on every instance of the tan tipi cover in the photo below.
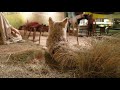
(6, 35)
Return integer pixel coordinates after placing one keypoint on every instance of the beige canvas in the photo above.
(6, 31)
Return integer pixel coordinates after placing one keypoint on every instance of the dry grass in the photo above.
(26, 60)
(26, 56)
(101, 61)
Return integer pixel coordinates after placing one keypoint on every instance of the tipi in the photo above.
(8, 34)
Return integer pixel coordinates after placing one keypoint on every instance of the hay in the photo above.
(98, 59)
(26, 60)
(25, 57)
(101, 61)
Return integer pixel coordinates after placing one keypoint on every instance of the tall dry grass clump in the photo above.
(101, 61)
(26, 56)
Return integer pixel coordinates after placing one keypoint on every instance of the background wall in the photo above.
(19, 18)
(110, 16)
(14, 19)
(42, 17)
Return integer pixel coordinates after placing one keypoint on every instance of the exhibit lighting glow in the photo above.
(51, 14)
(26, 15)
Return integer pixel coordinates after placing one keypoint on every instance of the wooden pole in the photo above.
(77, 34)
(29, 29)
(34, 34)
(40, 29)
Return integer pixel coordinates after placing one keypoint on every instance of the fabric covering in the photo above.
(8, 34)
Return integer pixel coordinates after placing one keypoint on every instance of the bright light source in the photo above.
(26, 15)
(51, 14)
(41, 17)
(83, 22)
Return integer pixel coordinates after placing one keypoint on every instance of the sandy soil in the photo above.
(72, 39)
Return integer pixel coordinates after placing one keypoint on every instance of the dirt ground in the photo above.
(35, 68)
(72, 39)
(12, 64)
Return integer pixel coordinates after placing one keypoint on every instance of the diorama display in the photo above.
(59, 45)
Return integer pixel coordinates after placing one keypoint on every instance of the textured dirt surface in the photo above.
(35, 68)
